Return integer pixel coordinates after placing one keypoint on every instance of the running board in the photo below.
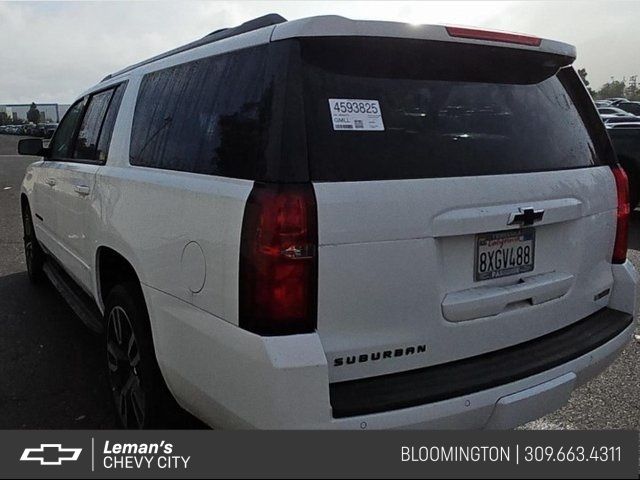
(78, 300)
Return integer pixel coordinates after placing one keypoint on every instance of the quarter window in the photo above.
(109, 123)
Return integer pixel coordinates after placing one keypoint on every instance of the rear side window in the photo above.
(446, 110)
(208, 116)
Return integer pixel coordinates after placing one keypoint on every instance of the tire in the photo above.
(33, 253)
(140, 396)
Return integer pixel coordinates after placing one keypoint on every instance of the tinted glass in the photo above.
(87, 140)
(109, 122)
(447, 111)
(62, 141)
(208, 116)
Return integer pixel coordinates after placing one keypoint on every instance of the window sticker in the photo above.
(354, 114)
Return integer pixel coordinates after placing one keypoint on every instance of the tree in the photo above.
(583, 76)
(612, 89)
(632, 92)
(33, 115)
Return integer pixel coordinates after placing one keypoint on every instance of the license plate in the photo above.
(500, 254)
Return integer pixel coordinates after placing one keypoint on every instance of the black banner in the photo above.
(242, 454)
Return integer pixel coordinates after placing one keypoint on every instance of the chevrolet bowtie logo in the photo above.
(525, 216)
(50, 454)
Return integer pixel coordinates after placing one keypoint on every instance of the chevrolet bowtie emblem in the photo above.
(525, 216)
(50, 454)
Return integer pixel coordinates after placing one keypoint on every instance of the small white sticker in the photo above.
(354, 114)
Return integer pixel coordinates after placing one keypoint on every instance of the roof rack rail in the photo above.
(248, 26)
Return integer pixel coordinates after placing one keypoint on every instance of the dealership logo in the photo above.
(50, 454)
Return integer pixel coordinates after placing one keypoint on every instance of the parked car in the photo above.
(631, 107)
(620, 119)
(49, 130)
(628, 123)
(615, 101)
(626, 142)
(602, 103)
(612, 111)
(38, 131)
(24, 129)
(340, 231)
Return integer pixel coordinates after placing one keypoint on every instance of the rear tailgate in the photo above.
(397, 261)
(463, 206)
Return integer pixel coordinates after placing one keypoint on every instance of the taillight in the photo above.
(278, 260)
(624, 210)
(493, 36)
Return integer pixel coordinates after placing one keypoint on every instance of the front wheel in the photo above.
(137, 386)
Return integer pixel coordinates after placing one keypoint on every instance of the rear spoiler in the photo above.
(336, 26)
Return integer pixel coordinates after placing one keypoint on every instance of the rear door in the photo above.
(463, 205)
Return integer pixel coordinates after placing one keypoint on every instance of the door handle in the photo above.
(50, 181)
(82, 190)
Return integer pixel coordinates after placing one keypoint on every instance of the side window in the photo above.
(109, 122)
(61, 143)
(209, 116)
(87, 140)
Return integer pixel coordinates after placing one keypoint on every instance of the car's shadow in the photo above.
(52, 368)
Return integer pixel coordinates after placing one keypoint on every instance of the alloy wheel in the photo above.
(123, 359)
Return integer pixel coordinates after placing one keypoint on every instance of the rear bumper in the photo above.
(230, 378)
(455, 379)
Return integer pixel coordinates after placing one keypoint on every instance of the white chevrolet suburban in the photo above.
(328, 223)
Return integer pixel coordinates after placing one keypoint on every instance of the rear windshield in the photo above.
(380, 109)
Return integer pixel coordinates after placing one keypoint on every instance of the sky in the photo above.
(52, 51)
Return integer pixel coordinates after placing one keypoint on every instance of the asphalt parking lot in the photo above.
(52, 369)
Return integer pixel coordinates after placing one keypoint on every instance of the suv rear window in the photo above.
(447, 110)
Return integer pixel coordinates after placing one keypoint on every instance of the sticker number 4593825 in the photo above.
(353, 114)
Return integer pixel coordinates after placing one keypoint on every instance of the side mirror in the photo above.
(31, 146)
